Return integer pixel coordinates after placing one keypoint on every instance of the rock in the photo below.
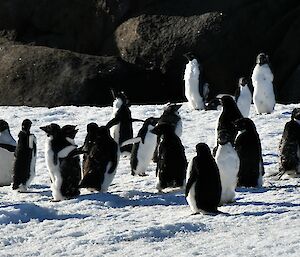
(40, 76)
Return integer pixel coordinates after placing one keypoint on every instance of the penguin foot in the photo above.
(143, 174)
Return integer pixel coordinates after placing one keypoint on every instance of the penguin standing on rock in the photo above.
(228, 115)
(25, 158)
(7, 149)
(171, 160)
(121, 122)
(142, 152)
(289, 147)
(196, 91)
(228, 163)
(243, 97)
(262, 80)
(203, 188)
(248, 147)
(101, 163)
(62, 161)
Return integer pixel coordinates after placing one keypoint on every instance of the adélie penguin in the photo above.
(243, 97)
(196, 91)
(203, 187)
(101, 162)
(142, 151)
(7, 149)
(171, 160)
(63, 163)
(289, 147)
(228, 163)
(248, 147)
(25, 158)
(262, 80)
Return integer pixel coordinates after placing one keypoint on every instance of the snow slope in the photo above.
(132, 219)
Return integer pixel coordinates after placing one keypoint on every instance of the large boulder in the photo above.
(40, 76)
(226, 36)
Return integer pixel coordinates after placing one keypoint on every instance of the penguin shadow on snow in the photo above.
(25, 212)
(136, 198)
(41, 189)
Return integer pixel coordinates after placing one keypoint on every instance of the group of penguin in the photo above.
(209, 179)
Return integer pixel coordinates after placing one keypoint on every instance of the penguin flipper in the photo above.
(131, 141)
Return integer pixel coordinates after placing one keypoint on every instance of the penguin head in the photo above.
(262, 59)
(243, 81)
(190, 56)
(227, 101)
(151, 121)
(202, 149)
(296, 114)
(172, 108)
(243, 124)
(163, 129)
(223, 137)
(51, 130)
(26, 125)
(120, 98)
(69, 131)
(3, 125)
(92, 128)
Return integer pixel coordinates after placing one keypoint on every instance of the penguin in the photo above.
(101, 163)
(228, 163)
(92, 130)
(171, 160)
(289, 146)
(121, 121)
(25, 158)
(196, 91)
(7, 149)
(142, 152)
(172, 117)
(248, 148)
(63, 163)
(262, 80)
(203, 188)
(243, 97)
(228, 115)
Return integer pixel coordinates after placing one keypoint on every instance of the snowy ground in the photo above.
(132, 219)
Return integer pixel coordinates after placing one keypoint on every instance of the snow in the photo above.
(132, 219)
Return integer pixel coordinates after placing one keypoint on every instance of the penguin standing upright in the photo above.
(262, 80)
(196, 91)
(142, 152)
(62, 161)
(92, 131)
(121, 121)
(101, 163)
(25, 158)
(228, 163)
(228, 115)
(7, 149)
(171, 160)
(248, 148)
(289, 147)
(243, 97)
(203, 188)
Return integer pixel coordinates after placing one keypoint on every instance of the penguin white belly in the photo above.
(244, 102)
(115, 133)
(228, 163)
(6, 166)
(191, 199)
(263, 95)
(108, 177)
(192, 94)
(260, 177)
(145, 152)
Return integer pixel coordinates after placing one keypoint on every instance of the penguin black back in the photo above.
(248, 147)
(204, 174)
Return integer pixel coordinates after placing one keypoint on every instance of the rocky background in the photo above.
(62, 52)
